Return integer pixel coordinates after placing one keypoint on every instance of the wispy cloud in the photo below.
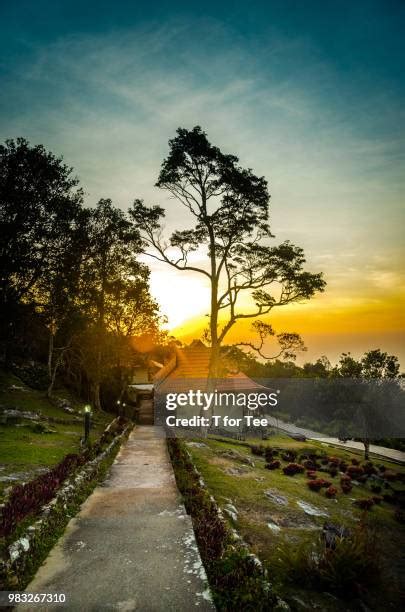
(109, 103)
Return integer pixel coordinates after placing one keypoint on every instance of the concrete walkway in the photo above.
(132, 545)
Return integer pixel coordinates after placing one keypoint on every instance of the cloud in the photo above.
(109, 103)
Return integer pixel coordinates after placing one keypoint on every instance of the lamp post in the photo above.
(87, 416)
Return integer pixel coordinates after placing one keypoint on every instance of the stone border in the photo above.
(26, 554)
(236, 541)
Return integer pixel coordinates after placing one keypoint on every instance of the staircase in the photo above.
(146, 412)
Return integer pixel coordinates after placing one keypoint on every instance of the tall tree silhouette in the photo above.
(230, 209)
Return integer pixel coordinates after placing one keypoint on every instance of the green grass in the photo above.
(255, 510)
(23, 451)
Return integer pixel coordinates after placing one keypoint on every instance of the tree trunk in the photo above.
(366, 443)
(96, 395)
(52, 379)
(50, 352)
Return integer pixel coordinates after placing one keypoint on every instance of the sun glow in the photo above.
(182, 296)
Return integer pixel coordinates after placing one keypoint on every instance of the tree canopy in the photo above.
(229, 207)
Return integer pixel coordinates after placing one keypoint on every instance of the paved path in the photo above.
(379, 451)
(132, 545)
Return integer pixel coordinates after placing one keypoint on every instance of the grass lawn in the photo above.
(24, 449)
(277, 528)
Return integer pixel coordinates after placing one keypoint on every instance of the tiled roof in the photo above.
(192, 362)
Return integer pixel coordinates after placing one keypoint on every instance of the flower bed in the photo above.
(60, 495)
(237, 577)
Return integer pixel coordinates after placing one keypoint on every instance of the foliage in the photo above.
(273, 465)
(27, 499)
(238, 582)
(71, 286)
(230, 209)
(293, 468)
(347, 569)
(316, 484)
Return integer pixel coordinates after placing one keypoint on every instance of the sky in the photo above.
(308, 94)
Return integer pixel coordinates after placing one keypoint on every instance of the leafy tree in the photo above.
(373, 367)
(39, 198)
(230, 209)
(57, 294)
(320, 369)
(116, 291)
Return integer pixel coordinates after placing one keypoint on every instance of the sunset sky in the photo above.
(308, 94)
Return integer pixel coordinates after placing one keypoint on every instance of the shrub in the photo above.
(27, 499)
(348, 569)
(269, 454)
(390, 475)
(334, 460)
(238, 582)
(377, 499)
(311, 474)
(376, 488)
(355, 471)
(346, 483)
(333, 471)
(309, 464)
(289, 456)
(355, 462)
(364, 504)
(318, 484)
(331, 491)
(273, 465)
(257, 450)
(293, 468)
(369, 468)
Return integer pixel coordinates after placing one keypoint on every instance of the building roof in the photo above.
(189, 368)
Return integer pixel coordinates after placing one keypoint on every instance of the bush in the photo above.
(364, 504)
(390, 475)
(346, 483)
(331, 491)
(333, 471)
(311, 474)
(289, 456)
(347, 569)
(369, 468)
(309, 464)
(293, 468)
(27, 499)
(355, 471)
(257, 449)
(334, 460)
(318, 484)
(273, 465)
(238, 582)
(269, 454)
